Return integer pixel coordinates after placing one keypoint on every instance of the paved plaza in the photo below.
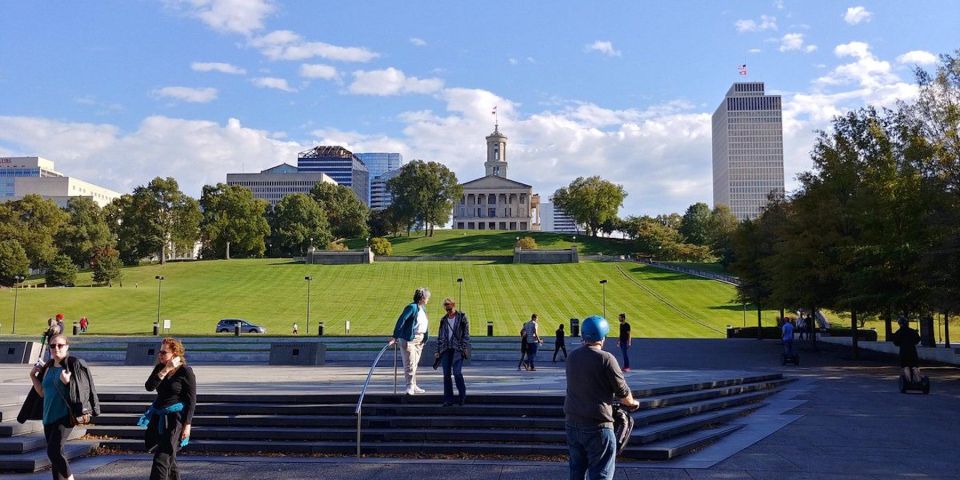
(841, 419)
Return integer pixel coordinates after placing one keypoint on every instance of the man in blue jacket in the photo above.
(411, 332)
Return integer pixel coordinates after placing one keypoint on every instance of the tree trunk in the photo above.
(813, 326)
(853, 329)
(759, 322)
(946, 328)
(228, 250)
(887, 328)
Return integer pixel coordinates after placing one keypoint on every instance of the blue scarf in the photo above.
(162, 413)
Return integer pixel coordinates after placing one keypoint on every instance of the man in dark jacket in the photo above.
(907, 339)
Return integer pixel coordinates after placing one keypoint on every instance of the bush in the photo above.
(527, 243)
(336, 247)
(381, 247)
(62, 272)
(13, 261)
(107, 266)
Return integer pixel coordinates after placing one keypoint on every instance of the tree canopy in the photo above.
(234, 223)
(590, 201)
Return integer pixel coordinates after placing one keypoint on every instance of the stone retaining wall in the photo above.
(349, 257)
(546, 256)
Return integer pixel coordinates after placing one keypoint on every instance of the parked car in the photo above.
(227, 325)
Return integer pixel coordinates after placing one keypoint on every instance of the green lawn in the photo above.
(272, 292)
(478, 242)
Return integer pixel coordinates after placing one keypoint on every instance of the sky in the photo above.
(117, 92)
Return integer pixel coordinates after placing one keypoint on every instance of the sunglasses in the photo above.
(164, 352)
(58, 345)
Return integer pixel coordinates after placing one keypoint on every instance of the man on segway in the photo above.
(907, 339)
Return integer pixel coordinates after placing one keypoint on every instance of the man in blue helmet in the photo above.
(594, 380)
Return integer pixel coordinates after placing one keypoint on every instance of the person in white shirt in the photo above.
(411, 331)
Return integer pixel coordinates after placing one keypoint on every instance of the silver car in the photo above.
(227, 325)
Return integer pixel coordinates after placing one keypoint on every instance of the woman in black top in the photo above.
(559, 344)
(171, 414)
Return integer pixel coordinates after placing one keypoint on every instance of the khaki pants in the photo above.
(410, 352)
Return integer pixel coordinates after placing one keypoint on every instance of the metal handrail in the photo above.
(363, 391)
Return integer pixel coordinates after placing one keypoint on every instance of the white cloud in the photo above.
(274, 83)
(866, 70)
(217, 67)
(391, 81)
(857, 15)
(918, 57)
(766, 23)
(419, 42)
(287, 45)
(188, 94)
(604, 47)
(316, 70)
(231, 16)
(755, 50)
(795, 42)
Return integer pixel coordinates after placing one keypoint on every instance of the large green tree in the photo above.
(346, 214)
(33, 221)
(590, 201)
(695, 224)
(107, 267)
(296, 223)
(234, 222)
(156, 220)
(62, 272)
(85, 231)
(424, 192)
(719, 233)
(13, 261)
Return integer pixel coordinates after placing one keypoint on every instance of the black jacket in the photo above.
(82, 393)
(461, 335)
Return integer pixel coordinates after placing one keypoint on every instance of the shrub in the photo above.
(527, 243)
(336, 246)
(381, 247)
(62, 272)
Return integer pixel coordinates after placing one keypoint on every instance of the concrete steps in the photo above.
(23, 448)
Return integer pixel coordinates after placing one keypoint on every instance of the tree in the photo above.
(234, 222)
(424, 192)
(590, 201)
(296, 224)
(62, 272)
(695, 224)
(384, 222)
(85, 231)
(346, 214)
(13, 261)
(107, 267)
(32, 221)
(720, 230)
(655, 239)
(154, 220)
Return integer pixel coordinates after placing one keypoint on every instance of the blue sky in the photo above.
(117, 92)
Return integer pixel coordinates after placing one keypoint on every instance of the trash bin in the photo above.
(489, 329)
(156, 329)
(574, 327)
(320, 330)
(236, 329)
(76, 328)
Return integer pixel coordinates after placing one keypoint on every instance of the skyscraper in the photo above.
(379, 163)
(747, 149)
(342, 165)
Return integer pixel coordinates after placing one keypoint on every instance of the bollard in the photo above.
(489, 329)
(236, 330)
(320, 330)
(76, 328)
(156, 329)
(574, 327)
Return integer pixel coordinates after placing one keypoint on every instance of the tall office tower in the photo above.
(747, 149)
(341, 165)
(380, 196)
(379, 163)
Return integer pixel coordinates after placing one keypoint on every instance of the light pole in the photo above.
(460, 296)
(308, 278)
(159, 284)
(603, 292)
(16, 280)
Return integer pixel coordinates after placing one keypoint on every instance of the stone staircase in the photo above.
(23, 448)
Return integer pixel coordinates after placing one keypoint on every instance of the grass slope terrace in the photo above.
(479, 242)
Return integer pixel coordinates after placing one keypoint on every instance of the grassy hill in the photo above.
(273, 292)
(478, 242)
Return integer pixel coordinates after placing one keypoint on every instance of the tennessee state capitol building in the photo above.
(494, 202)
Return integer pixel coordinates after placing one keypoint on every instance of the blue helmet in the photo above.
(594, 328)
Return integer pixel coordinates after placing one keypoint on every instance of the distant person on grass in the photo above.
(559, 343)
(411, 332)
(593, 381)
(625, 341)
(907, 339)
(532, 334)
(453, 347)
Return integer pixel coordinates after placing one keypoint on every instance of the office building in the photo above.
(22, 176)
(277, 182)
(380, 197)
(747, 149)
(554, 219)
(340, 164)
(379, 163)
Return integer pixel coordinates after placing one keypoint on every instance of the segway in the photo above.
(793, 358)
(907, 385)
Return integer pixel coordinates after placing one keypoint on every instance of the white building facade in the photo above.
(22, 176)
(277, 182)
(747, 149)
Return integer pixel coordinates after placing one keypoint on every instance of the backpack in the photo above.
(622, 427)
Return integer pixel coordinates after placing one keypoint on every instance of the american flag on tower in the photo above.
(742, 69)
(494, 112)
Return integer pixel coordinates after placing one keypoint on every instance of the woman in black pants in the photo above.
(168, 419)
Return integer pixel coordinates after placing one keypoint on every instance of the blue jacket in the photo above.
(404, 330)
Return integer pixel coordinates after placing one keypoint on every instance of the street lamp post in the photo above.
(308, 278)
(159, 284)
(16, 295)
(603, 292)
(460, 296)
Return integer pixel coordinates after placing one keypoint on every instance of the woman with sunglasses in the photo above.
(169, 417)
(69, 398)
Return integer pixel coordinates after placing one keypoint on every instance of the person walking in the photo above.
(411, 331)
(169, 418)
(532, 335)
(787, 337)
(63, 396)
(523, 350)
(593, 380)
(453, 347)
(624, 341)
(296, 328)
(83, 324)
(907, 339)
(60, 329)
(558, 344)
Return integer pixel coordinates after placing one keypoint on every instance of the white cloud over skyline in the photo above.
(391, 81)
(188, 94)
(766, 22)
(918, 57)
(229, 16)
(604, 47)
(857, 15)
(217, 67)
(795, 42)
(316, 70)
(274, 83)
(288, 45)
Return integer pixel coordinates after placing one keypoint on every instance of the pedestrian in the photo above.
(624, 341)
(169, 418)
(60, 329)
(83, 324)
(411, 331)
(533, 339)
(907, 339)
(523, 350)
(787, 337)
(801, 326)
(63, 397)
(559, 344)
(296, 328)
(593, 380)
(453, 347)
